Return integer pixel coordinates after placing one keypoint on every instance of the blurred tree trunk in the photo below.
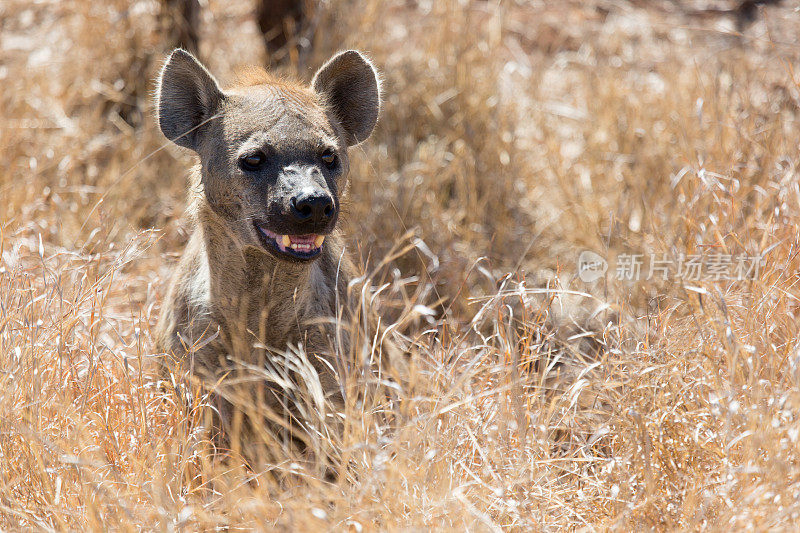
(181, 21)
(744, 12)
(287, 29)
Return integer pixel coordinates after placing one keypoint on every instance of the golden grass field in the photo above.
(514, 135)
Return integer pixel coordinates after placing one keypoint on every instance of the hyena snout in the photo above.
(307, 202)
(307, 212)
(314, 207)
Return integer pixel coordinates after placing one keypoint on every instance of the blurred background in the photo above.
(513, 136)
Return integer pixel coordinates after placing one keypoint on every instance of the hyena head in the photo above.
(273, 153)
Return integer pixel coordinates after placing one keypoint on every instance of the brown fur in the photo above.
(233, 306)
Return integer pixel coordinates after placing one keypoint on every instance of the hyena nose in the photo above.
(316, 207)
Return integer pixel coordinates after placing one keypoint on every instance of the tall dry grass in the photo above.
(514, 135)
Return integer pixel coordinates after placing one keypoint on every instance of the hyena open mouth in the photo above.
(302, 247)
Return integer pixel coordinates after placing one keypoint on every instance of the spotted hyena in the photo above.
(265, 267)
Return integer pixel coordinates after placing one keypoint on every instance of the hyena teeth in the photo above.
(286, 240)
(319, 240)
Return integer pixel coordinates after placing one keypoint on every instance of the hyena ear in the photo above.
(187, 96)
(349, 83)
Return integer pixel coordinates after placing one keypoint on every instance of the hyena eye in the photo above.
(252, 161)
(329, 157)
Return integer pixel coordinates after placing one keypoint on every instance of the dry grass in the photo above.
(514, 136)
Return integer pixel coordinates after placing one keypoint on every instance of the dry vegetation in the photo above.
(514, 135)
